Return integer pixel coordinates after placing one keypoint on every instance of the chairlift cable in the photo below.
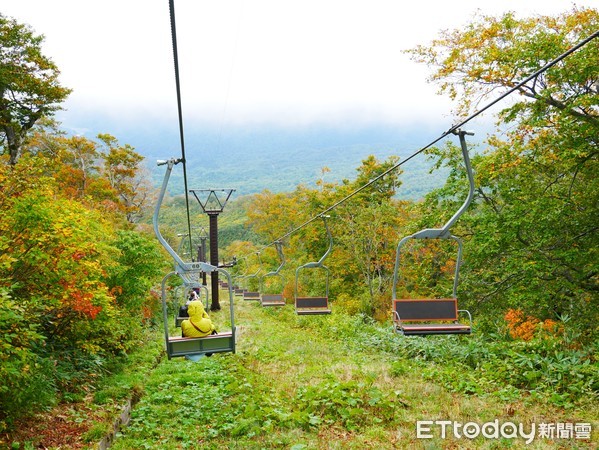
(180, 114)
(452, 130)
(526, 80)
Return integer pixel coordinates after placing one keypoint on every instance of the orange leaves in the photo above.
(77, 255)
(116, 291)
(82, 303)
(527, 327)
(79, 299)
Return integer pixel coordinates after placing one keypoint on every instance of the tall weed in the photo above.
(548, 367)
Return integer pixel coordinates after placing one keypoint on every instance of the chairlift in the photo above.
(431, 316)
(253, 295)
(270, 299)
(238, 288)
(315, 305)
(191, 348)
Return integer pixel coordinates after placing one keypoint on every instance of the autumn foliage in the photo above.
(526, 327)
(75, 280)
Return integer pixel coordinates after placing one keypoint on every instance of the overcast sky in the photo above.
(253, 61)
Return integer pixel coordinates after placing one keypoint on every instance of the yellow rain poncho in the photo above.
(199, 323)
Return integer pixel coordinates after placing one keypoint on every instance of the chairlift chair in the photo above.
(277, 299)
(315, 305)
(434, 316)
(191, 348)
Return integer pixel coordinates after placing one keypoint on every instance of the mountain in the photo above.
(251, 159)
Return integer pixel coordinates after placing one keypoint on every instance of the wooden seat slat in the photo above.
(211, 336)
(313, 312)
(251, 295)
(445, 326)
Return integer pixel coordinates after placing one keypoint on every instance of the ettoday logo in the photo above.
(428, 429)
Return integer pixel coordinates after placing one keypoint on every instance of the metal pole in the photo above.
(202, 257)
(213, 217)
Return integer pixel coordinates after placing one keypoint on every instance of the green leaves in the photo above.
(81, 292)
(23, 373)
(29, 87)
(351, 405)
(531, 233)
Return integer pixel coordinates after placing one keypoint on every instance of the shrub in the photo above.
(24, 382)
(73, 291)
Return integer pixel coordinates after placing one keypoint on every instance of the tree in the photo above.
(29, 87)
(533, 229)
(100, 172)
(367, 233)
(363, 229)
(79, 160)
(123, 169)
(493, 53)
(75, 290)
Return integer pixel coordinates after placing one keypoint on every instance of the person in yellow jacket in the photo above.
(199, 323)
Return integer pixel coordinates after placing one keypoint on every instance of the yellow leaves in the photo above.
(6, 261)
(490, 53)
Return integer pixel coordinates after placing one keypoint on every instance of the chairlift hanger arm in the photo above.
(318, 264)
(329, 249)
(462, 135)
(279, 247)
(444, 232)
(181, 266)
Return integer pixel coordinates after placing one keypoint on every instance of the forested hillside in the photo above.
(80, 270)
(278, 159)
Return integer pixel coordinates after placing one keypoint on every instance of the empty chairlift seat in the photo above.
(433, 316)
(272, 300)
(438, 315)
(312, 305)
(251, 295)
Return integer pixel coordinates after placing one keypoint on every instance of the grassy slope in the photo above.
(297, 383)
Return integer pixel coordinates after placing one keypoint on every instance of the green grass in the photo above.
(331, 382)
